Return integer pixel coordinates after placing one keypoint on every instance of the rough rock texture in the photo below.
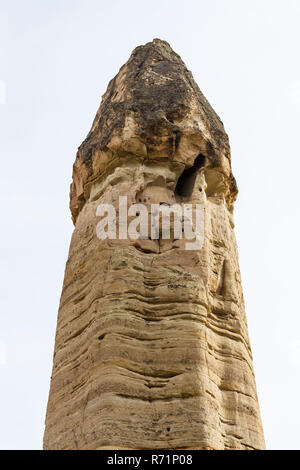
(152, 349)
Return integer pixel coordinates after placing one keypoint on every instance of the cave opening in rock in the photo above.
(186, 180)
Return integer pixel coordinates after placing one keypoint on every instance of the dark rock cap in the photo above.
(152, 109)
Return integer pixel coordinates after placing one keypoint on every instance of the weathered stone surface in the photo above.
(152, 349)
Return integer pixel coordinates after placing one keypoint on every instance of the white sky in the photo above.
(56, 58)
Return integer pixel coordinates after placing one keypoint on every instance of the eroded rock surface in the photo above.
(152, 349)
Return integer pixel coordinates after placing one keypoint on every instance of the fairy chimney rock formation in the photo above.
(151, 348)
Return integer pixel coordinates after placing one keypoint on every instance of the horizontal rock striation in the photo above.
(151, 348)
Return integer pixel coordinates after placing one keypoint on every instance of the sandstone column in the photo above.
(152, 349)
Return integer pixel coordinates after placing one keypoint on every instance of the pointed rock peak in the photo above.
(159, 47)
(152, 109)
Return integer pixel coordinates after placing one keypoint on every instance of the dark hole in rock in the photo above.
(177, 139)
(186, 180)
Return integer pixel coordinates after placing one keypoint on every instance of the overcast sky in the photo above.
(56, 58)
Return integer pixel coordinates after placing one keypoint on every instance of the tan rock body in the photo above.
(152, 349)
